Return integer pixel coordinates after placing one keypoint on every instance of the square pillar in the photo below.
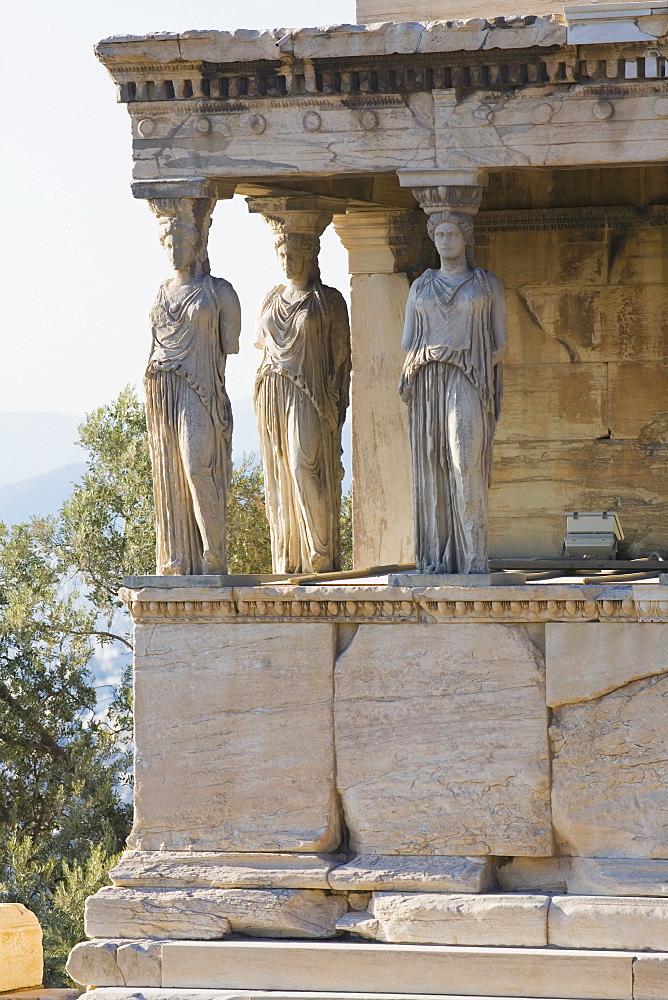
(384, 251)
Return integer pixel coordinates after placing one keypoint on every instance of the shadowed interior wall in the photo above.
(585, 413)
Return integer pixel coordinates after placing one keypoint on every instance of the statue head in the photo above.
(184, 230)
(452, 232)
(298, 256)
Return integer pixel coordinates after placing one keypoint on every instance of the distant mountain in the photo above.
(38, 495)
(39, 461)
(34, 443)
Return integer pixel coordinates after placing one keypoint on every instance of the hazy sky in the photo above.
(81, 258)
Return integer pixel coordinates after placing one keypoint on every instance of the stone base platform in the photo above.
(115, 993)
(336, 970)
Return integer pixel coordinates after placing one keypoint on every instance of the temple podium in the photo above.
(384, 788)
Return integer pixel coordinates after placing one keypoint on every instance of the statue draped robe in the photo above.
(455, 337)
(301, 396)
(190, 422)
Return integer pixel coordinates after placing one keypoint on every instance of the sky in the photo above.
(81, 260)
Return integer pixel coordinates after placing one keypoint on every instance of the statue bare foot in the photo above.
(212, 564)
(172, 569)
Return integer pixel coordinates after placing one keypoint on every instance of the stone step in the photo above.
(126, 993)
(434, 970)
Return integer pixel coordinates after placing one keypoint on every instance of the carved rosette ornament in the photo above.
(195, 324)
(301, 391)
(454, 338)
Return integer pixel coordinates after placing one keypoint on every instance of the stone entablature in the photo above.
(357, 604)
(214, 70)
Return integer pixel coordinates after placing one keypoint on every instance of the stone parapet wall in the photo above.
(280, 718)
(491, 788)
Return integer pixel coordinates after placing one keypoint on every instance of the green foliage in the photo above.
(346, 530)
(106, 528)
(248, 542)
(59, 762)
(55, 892)
(63, 760)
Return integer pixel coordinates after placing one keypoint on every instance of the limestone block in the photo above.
(434, 874)
(650, 977)
(190, 869)
(383, 512)
(642, 258)
(208, 914)
(630, 923)
(534, 482)
(21, 962)
(93, 963)
(571, 132)
(233, 733)
(370, 11)
(556, 256)
(361, 923)
(441, 741)
(588, 659)
(533, 875)
(638, 408)
(369, 969)
(610, 773)
(554, 402)
(602, 323)
(401, 133)
(140, 962)
(616, 876)
(439, 918)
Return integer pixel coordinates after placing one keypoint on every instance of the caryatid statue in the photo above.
(195, 323)
(301, 397)
(455, 336)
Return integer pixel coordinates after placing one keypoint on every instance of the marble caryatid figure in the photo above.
(455, 336)
(301, 397)
(195, 323)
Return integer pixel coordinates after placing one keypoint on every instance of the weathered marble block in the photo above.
(233, 732)
(610, 773)
(650, 977)
(210, 914)
(414, 874)
(456, 919)
(585, 660)
(441, 737)
(533, 875)
(629, 923)
(116, 963)
(223, 870)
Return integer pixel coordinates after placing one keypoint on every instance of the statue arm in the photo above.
(340, 347)
(259, 333)
(229, 316)
(499, 320)
(409, 320)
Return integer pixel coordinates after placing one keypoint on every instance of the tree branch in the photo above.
(47, 744)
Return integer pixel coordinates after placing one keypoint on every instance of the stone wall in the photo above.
(370, 11)
(585, 418)
(414, 739)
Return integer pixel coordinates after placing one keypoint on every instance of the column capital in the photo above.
(306, 214)
(438, 190)
(184, 187)
(385, 241)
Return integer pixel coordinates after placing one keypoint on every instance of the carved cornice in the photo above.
(357, 605)
(620, 218)
(613, 69)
